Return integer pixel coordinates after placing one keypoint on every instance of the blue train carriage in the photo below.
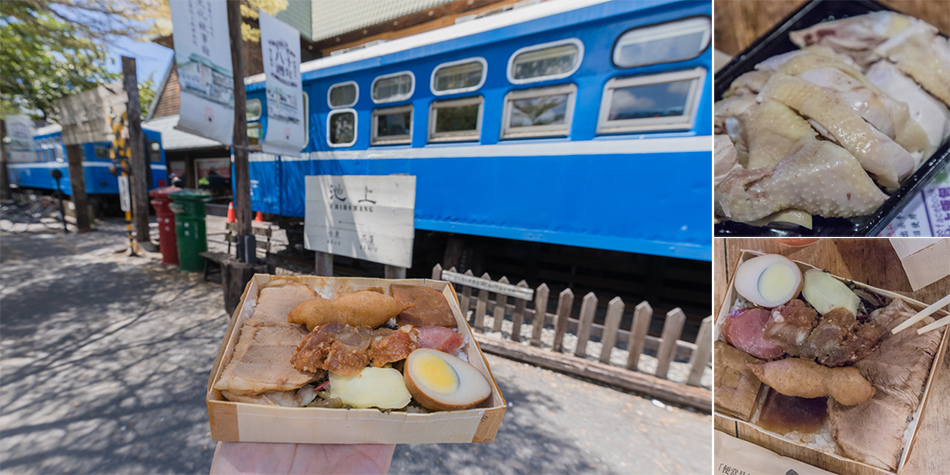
(100, 182)
(580, 123)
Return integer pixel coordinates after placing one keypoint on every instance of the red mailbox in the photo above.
(167, 239)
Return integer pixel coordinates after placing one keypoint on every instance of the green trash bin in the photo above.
(189, 208)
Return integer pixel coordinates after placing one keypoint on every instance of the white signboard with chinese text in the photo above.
(87, 116)
(365, 217)
(125, 196)
(20, 131)
(205, 76)
(280, 45)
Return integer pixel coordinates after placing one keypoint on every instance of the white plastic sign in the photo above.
(364, 217)
(20, 131)
(280, 45)
(125, 198)
(205, 76)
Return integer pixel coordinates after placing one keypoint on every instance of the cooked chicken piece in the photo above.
(724, 158)
(876, 152)
(749, 83)
(923, 55)
(820, 178)
(856, 36)
(778, 62)
(930, 114)
(873, 432)
(889, 116)
(764, 133)
(261, 361)
(274, 303)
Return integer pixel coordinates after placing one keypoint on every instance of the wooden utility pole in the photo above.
(77, 179)
(138, 181)
(4, 174)
(246, 245)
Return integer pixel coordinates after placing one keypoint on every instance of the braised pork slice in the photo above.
(261, 361)
(790, 324)
(294, 398)
(274, 303)
(873, 432)
(390, 346)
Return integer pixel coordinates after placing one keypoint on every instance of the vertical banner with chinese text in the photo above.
(280, 46)
(20, 148)
(205, 77)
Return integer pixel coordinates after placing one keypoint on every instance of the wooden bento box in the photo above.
(790, 448)
(242, 422)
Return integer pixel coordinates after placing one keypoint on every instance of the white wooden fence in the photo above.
(511, 300)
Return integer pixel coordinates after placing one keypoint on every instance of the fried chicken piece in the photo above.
(807, 379)
(364, 308)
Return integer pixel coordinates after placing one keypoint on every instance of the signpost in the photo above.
(364, 217)
(87, 117)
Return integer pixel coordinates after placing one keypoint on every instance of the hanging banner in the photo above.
(280, 46)
(20, 131)
(366, 217)
(87, 116)
(205, 77)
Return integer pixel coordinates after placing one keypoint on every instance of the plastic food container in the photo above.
(776, 42)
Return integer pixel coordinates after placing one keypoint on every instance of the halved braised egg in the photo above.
(769, 280)
(441, 382)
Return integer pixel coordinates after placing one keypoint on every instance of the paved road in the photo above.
(104, 361)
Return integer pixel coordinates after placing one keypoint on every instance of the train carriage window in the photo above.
(101, 150)
(155, 151)
(341, 128)
(674, 41)
(392, 125)
(541, 112)
(456, 120)
(547, 61)
(58, 151)
(393, 87)
(458, 76)
(344, 94)
(646, 103)
(253, 109)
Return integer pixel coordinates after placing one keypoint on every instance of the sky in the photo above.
(150, 58)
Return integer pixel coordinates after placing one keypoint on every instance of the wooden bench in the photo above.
(213, 260)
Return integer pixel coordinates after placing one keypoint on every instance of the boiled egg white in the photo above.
(769, 280)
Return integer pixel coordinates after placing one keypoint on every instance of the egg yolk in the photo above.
(438, 374)
(775, 282)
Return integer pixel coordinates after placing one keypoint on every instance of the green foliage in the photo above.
(147, 94)
(44, 58)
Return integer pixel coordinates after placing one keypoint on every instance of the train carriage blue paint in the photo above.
(655, 203)
(99, 180)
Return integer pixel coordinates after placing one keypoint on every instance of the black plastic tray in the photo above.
(775, 42)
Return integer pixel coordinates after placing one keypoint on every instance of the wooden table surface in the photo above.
(873, 262)
(739, 22)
